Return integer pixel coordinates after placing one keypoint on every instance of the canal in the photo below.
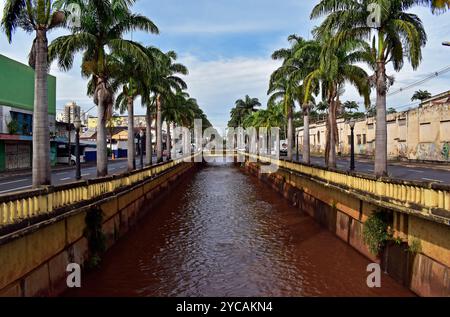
(223, 233)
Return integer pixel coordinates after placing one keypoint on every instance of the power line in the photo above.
(424, 80)
(414, 84)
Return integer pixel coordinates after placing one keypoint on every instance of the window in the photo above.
(318, 137)
(359, 139)
(23, 122)
(426, 133)
(445, 131)
(364, 139)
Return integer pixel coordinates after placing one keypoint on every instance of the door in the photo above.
(18, 156)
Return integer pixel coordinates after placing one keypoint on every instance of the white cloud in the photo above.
(218, 84)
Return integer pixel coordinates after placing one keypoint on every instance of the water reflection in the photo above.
(222, 233)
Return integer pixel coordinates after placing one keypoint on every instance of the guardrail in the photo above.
(30, 204)
(430, 199)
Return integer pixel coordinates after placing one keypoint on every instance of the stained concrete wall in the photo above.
(421, 134)
(33, 261)
(427, 272)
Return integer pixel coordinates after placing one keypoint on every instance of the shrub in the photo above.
(95, 236)
(376, 231)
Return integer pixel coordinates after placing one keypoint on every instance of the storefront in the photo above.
(16, 114)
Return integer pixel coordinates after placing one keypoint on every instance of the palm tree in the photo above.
(164, 83)
(243, 108)
(283, 89)
(298, 61)
(96, 40)
(134, 80)
(336, 67)
(438, 6)
(150, 108)
(110, 125)
(400, 35)
(38, 17)
(421, 95)
(178, 111)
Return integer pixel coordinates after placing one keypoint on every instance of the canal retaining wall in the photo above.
(33, 260)
(425, 272)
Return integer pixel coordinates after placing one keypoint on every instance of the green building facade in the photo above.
(16, 113)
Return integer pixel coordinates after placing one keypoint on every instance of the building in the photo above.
(16, 114)
(421, 134)
(71, 111)
(120, 121)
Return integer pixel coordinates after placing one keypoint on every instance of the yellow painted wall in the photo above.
(434, 238)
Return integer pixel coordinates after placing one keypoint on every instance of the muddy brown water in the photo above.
(223, 233)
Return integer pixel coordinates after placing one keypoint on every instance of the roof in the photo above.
(438, 99)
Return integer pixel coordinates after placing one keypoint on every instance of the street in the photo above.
(401, 170)
(21, 183)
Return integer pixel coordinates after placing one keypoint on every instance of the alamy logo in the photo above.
(74, 277)
(374, 18)
(374, 278)
(376, 13)
(74, 15)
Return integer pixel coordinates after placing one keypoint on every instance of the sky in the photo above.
(227, 44)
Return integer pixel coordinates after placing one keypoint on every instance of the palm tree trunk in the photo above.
(111, 140)
(41, 135)
(131, 157)
(327, 143)
(306, 144)
(159, 149)
(381, 127)
(290, 132)
(148, 140)
(169, 142)
(332, 145)
(102, 151)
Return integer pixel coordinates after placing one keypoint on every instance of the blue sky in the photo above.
(227, 46)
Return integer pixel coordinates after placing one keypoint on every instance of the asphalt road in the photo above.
(401, 170)
(23, 183)
(408, 171)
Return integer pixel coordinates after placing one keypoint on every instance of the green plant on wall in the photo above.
(13, 126)
(415, 246)
(95, 236)
(446, 151)
(376, 231)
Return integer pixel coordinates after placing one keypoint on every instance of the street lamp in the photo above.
(141, 147)
(298, 152)
(352, 123)
(77, 124)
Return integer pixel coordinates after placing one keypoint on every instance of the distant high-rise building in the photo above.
(60, 117)
(71, 111)
(83, 117)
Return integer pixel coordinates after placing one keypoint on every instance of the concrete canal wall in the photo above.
(427, 272)
(33, 260)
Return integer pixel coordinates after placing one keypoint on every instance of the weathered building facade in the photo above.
(421, 134)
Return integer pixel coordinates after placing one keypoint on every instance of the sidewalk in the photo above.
(410, 164)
